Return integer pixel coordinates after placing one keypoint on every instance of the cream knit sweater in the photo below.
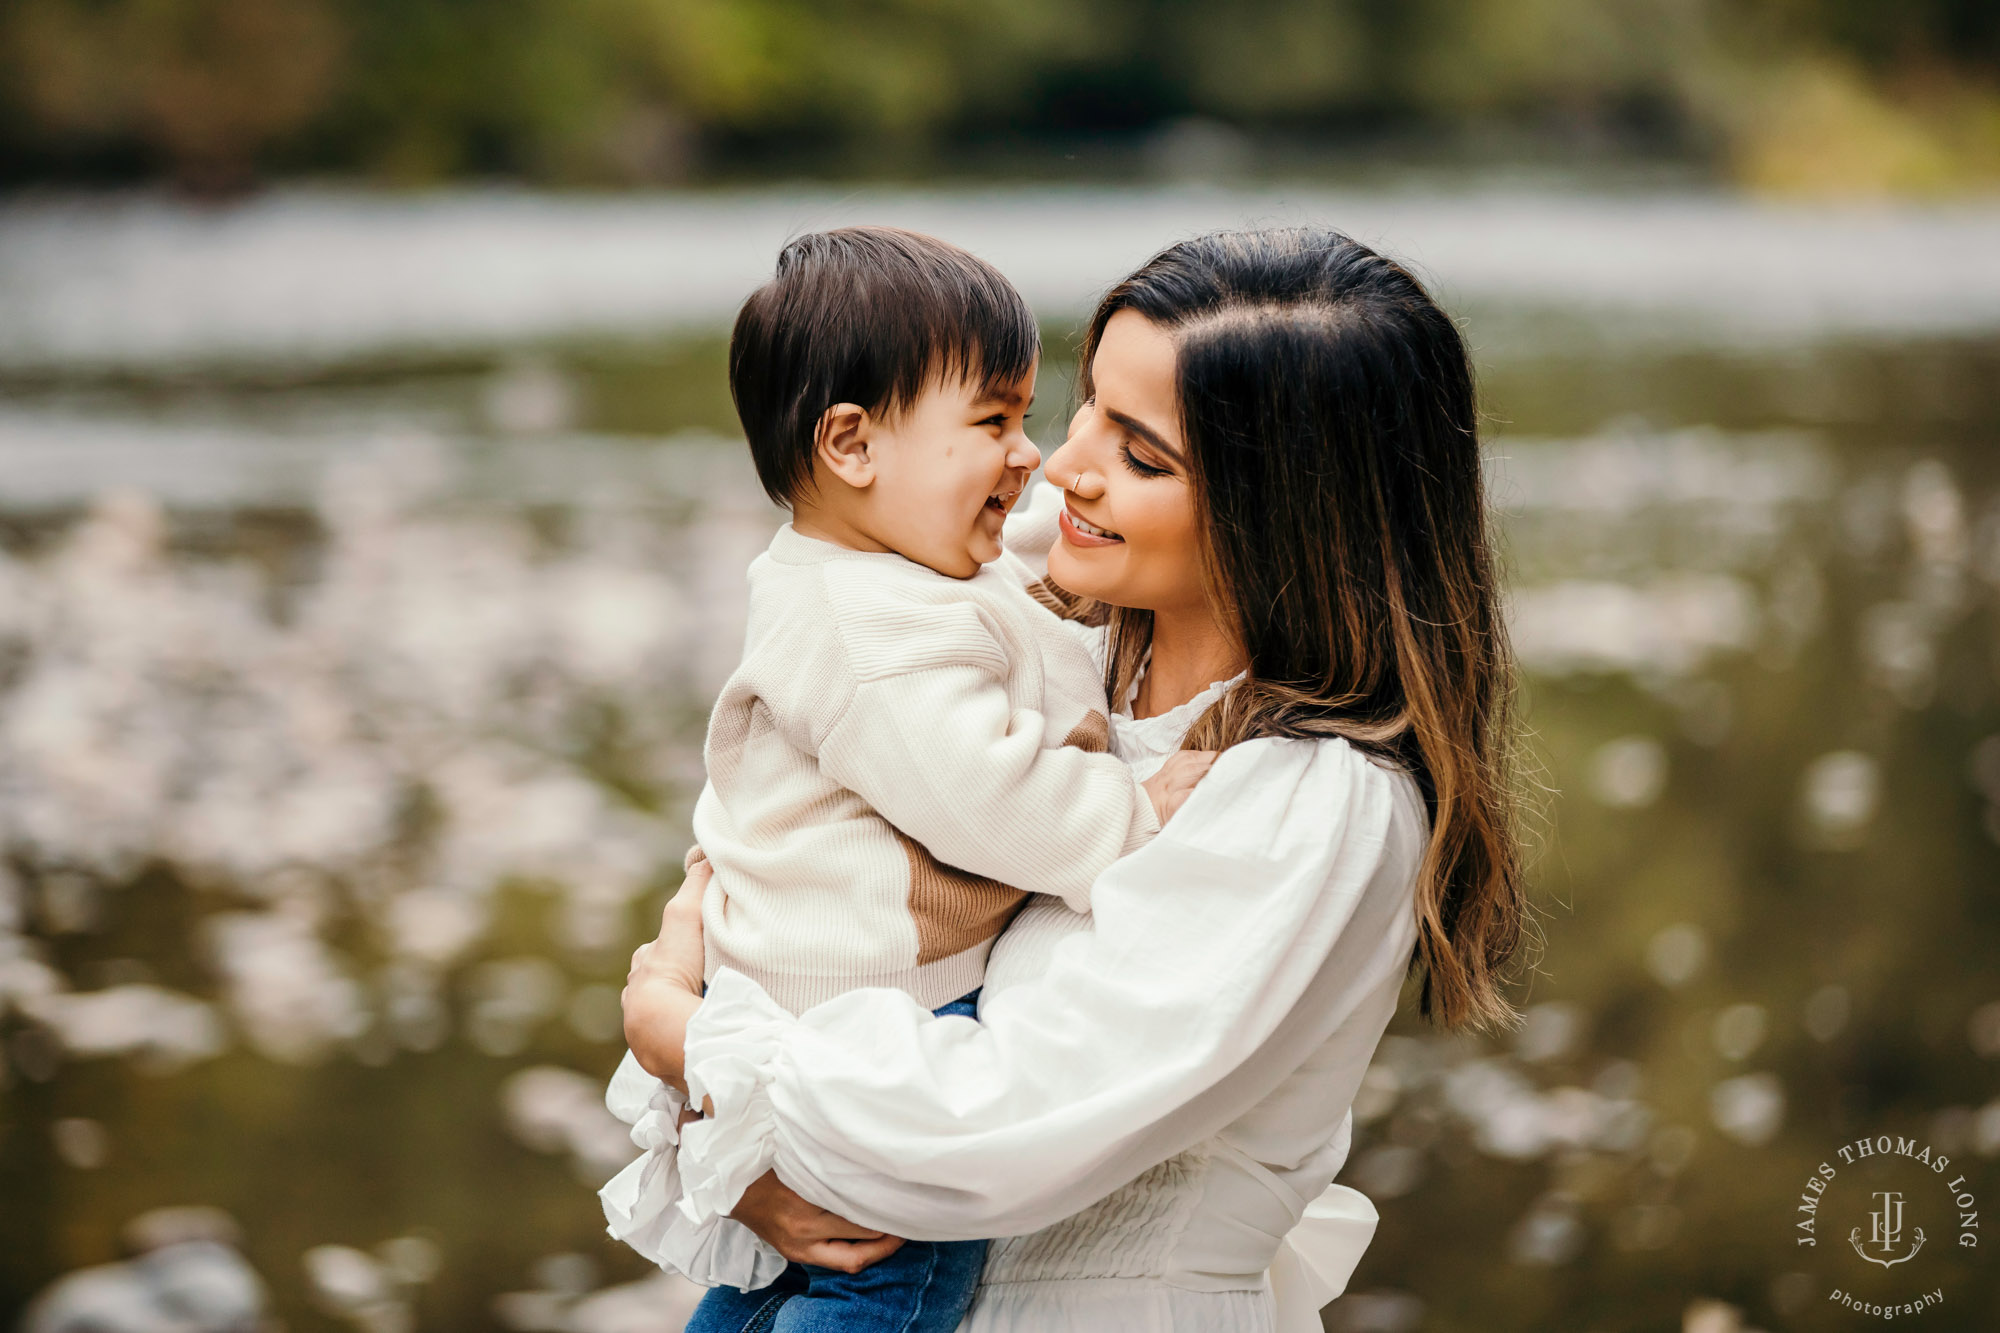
(898, 758)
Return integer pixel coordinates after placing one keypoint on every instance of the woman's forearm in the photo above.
(656, 1023)
(663, 989)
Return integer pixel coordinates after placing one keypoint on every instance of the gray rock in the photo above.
(192, 1286)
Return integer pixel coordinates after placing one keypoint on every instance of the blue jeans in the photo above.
(924, 1287)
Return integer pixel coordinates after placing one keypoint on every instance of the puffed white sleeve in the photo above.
(1223, 954)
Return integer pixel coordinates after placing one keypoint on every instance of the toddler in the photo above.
(913, 740)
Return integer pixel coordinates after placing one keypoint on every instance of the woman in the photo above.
(1271, 502)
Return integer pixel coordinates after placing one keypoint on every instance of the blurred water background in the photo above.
(372, 526)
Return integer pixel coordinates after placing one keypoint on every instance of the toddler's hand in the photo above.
(1169, 787)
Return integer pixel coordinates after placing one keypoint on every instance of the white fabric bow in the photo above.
(1318, 1256)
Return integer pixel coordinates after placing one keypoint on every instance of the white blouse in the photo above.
(1148, 1100)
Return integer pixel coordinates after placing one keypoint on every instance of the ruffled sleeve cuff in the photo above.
(640, 1201)
(733, 1046)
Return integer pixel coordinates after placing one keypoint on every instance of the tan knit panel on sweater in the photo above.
(1066, 604)
(1092, 734)
(953, 910)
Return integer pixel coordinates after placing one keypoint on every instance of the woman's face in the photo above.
(1128, 524)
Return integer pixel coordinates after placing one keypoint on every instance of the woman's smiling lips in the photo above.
(1078, 531)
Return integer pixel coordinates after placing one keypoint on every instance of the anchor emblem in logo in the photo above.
(1885, 1231)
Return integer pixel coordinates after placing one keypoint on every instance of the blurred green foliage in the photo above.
(1813, 95)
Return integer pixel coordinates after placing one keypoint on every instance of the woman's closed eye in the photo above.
(1138, 465)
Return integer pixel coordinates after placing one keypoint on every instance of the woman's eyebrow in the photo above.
(1152, 437)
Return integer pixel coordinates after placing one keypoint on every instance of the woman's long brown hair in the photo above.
(1328, 408)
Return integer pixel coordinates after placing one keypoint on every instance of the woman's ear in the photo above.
(841, 444)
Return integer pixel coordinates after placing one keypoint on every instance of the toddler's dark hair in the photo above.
(865, 315)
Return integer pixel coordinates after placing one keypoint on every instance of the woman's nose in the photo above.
(1069, 467)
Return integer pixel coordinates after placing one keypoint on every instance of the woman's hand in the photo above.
(1169, 787)
(663, 989)
(806, 1233)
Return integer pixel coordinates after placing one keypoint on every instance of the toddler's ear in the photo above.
(840, 443)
